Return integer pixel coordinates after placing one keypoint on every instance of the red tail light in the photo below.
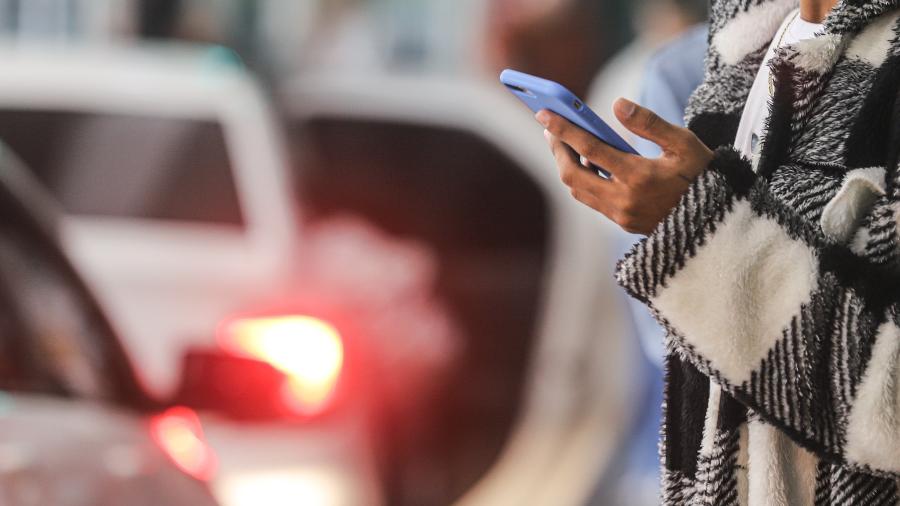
(179, 433)
(307, 350)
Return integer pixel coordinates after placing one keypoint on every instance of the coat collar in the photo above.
(817, 56)
(850, 16)
(801, 71)
(740, 33)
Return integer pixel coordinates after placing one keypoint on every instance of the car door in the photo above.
(73, 429)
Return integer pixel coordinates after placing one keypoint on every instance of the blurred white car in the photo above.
(180, 213)
(77, 427)
(169, 166)
(183, 212)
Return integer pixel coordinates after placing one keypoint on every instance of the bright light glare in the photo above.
(309, 487)
(179, 433)
(308, 350)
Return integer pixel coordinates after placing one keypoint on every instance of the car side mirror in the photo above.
(233, 386)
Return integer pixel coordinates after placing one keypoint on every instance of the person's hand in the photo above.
(641, 191)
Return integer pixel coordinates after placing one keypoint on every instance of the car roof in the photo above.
(145, 58)
(161, 77)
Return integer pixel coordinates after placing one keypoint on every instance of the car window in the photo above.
(50, 338)
(128, 166)
(488, 223)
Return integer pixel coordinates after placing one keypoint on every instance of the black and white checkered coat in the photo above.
(779, 284)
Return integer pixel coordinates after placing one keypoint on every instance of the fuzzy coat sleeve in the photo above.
(802, 328)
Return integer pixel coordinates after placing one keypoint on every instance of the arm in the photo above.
(803, 330)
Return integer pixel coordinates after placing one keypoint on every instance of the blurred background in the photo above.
(311, 252)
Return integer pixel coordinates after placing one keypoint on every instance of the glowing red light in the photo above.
(179, 433)
(307, 350)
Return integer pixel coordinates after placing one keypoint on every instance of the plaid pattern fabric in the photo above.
(779, 287)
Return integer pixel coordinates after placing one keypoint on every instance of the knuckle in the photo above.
(556, 126)
(554, 150)
(651, 121)
(567, 175)
(581, 196)
(593, 150)
(685, 139)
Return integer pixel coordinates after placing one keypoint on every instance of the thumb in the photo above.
(646, 123)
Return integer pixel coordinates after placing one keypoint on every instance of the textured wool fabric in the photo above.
(779, 287)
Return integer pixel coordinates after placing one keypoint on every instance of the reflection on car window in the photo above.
(128, 166)
(48, 326)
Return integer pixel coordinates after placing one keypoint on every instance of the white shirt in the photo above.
(756, 110)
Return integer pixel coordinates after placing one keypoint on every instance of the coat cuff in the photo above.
(656, 258)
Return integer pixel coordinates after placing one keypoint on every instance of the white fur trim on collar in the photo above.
(817, 55)
(873, 44)
(751, 30)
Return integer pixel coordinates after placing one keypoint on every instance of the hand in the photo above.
(641, 191)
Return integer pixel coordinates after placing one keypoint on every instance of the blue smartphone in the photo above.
(539, 94)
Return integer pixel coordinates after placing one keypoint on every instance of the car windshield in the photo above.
(128, 166)
(51, 342)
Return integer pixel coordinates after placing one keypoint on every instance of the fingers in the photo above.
(590, 147)
(648, 124)
(585, 186)
(571, 171)
(642, 191)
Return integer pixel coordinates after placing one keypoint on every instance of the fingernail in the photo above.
(625, 107)
(543, 117)
(547, 135)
